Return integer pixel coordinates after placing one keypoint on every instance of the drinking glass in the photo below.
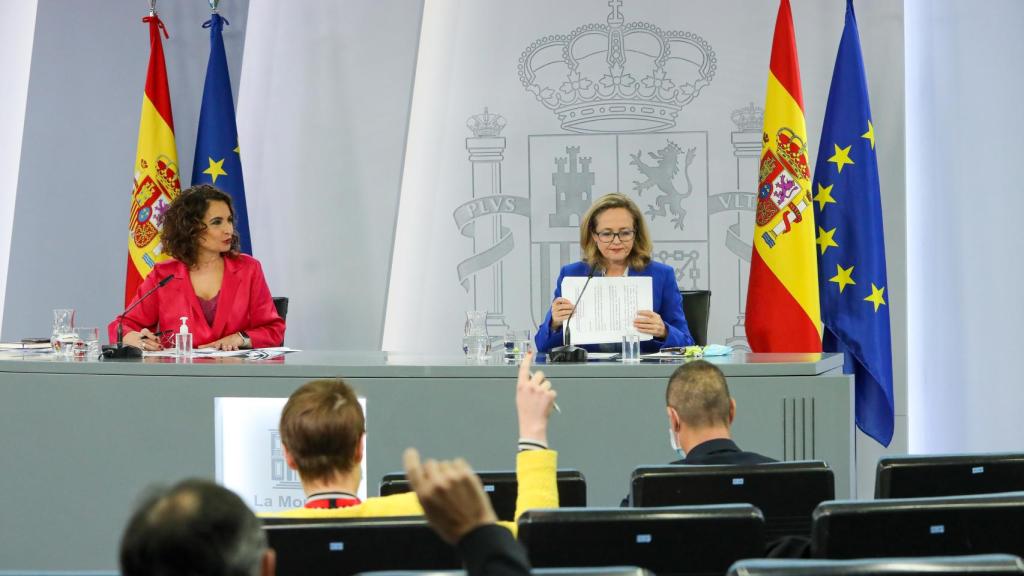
(87, 343)
(509, 346)
(517, 344)
(631, 348)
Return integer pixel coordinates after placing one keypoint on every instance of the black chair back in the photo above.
(949, 475)
(981, 565)
(666, 541)
(786, 492)
(339, 547)
(599, 571)
(281, 304)
(503, 489)
(697, 310)
(950, 525)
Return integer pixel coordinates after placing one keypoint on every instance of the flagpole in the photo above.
(152, 7)
(213, 6)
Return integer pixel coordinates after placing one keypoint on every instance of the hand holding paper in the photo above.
(650, 322)
(610, 308)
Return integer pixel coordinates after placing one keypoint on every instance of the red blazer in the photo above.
(244, 305)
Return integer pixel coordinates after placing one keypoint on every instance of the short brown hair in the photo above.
(183, 222)
(639, 256)
(321, 425)
(697, 391)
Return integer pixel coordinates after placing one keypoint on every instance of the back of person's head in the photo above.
(321, 427)
(195, 527)
(698, 393)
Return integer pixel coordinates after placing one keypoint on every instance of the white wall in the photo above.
(17, 28)
(964, 206)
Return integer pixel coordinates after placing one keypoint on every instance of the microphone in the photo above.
(568, 352)
(122, 351)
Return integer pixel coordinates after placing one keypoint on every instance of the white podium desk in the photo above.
(80, 440)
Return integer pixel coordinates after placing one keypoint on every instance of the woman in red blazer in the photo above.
(222, 292)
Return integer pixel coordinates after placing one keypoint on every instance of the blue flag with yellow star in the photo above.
(851, 249)
(217, 158)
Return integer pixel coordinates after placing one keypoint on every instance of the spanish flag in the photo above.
(783, 313)
(156, 180)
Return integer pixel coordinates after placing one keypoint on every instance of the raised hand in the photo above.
(534, 401)
(450, 492)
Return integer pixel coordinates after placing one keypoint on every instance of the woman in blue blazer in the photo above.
(614, 241)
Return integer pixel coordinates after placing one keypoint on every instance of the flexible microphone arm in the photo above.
(120, 350)
(568, 352)
(567, 338)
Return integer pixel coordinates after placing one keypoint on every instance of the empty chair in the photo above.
(982, 565)
(697, 310)
(949, 475)
(985, 524)
(503, 489)
(597, 571)
(671, 540)
(786, 492)
(348, 546)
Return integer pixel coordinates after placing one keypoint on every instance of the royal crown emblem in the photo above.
(617, 77)
(486, 124)
(749, 119)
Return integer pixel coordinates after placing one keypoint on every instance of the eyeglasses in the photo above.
(607, 236)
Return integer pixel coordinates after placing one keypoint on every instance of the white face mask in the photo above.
(675, 444)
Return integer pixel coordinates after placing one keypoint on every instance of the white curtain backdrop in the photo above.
(322, 111)
(964, 206)
(17, 28)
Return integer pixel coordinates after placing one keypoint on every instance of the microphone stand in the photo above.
(120, 351)
(568, 353)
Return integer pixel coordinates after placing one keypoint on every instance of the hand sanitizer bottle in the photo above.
(183, 340)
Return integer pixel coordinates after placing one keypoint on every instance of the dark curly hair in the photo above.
(183, 222)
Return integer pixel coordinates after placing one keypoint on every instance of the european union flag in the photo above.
(851, 249)
(217, 158)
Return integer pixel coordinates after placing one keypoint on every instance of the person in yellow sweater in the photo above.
(323, 430)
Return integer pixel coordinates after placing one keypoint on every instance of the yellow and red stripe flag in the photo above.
(783, 313)
(156, 180)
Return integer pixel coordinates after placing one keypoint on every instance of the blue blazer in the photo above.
(668, 303)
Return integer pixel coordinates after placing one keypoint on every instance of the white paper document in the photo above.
(608, 307)
(250, 354)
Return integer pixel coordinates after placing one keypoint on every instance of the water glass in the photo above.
(510, 344)
(517, 344)
(87, 343)
(631, 348)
